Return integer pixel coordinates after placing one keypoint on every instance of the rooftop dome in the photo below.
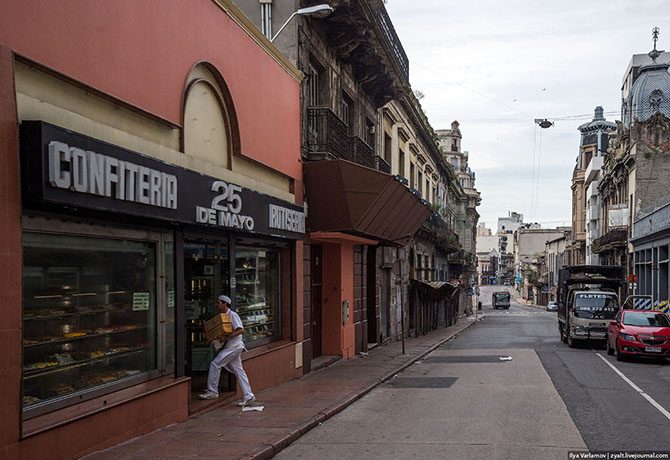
(650, 94)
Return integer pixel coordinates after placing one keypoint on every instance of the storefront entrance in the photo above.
(206, 276)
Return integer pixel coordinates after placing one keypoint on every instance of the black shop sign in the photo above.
(65, 168)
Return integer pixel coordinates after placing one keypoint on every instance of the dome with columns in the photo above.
(650, 94)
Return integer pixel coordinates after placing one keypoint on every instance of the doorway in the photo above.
(372, 297)
(385, 304)
(317, 299)
(206, 276)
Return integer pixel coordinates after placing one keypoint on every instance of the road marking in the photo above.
(651, 400)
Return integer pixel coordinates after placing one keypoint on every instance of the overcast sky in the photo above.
(496, 65)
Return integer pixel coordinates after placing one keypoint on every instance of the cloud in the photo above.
(535, 60)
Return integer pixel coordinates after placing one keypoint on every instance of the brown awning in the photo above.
(346, 197)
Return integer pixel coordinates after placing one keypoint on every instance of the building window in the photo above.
(258, 293)
(91, 314)
(419, 182)
(411, 175)
(266, 18)
(401, 163)
(347, 112)
(387, 148)
(313, 86)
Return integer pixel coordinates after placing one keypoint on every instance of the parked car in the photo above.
(639, 333)
(552, 306)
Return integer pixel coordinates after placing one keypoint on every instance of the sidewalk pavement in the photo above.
(291, 409)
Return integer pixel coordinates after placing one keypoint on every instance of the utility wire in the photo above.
(532, 180)
(537, 175)
(472, 90)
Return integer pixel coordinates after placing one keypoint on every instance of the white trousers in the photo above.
(229, 359)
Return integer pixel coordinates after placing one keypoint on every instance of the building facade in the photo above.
(383, 205)
(506, 228)
(635, 169)
(555, 259)
(530, 261)
(593, 148)
(138, 189)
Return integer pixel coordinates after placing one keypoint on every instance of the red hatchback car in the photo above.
(639, 333)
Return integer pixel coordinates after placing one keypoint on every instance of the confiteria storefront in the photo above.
(149, 239)
(135, 187)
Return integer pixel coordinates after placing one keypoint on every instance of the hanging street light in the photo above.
(544, 123)
(316, 11)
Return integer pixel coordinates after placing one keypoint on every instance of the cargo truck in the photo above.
(588, 298)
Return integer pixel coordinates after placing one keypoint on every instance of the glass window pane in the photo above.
(206, 276)
(89, 313)
(170, 304)
(258, 294)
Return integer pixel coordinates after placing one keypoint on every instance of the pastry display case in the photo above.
(88, 316)
(257, 293)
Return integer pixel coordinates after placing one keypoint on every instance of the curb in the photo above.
(268, 451)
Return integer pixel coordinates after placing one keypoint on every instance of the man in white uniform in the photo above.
(229, 357)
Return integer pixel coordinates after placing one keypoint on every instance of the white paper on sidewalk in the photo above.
(251, 408)
(505, 358)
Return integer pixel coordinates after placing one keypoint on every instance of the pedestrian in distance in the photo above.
(229, 357)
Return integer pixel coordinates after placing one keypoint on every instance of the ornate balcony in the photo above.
(382, 165)
(360, 152)
(361, 34)
(326, 134)
(392, 41)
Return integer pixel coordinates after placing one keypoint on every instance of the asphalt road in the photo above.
(608, 412)
(462, 401)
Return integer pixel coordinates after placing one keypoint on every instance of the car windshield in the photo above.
(648, 319)
(502, 296)
(595, 306)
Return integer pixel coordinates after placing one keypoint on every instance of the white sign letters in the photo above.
(225, 208)
(89, 172)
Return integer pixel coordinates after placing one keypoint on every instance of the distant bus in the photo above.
(500, 299)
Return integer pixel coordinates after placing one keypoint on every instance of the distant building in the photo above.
(529, 258)
(482, 230)
(510, 223)
(487, 255)
(635, 171)
(592, 145)
(555, 259)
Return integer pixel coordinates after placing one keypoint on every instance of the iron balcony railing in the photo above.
(382, 165)
(326, 133)
(360, 152)
(327, 137)
(392, 41)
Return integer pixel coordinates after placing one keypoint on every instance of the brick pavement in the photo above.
(291, 409)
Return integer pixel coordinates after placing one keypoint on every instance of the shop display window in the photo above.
(89, 315)
(258, 294)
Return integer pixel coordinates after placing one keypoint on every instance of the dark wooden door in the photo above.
(385, 303)
(316, 298)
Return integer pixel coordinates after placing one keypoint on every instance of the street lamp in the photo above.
(544, 123)
(316, 11)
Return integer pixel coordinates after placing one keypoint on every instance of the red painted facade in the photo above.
(142, 52)
(139, 54)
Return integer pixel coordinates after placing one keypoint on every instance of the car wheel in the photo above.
(570, 341)
(619, 355)
(610, 350)
(564, 337)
